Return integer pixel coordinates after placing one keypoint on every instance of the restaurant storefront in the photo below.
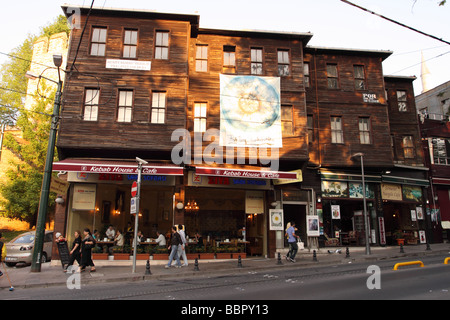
(100, 195)
(395, 209)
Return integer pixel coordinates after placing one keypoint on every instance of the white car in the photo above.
(20, 249)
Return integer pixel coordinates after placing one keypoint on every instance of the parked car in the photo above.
(20, 249)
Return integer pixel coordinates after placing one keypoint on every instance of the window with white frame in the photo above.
(287, 120)
(201, 58)
(158, 107)
(98, 41)
(360, 77)
(125, 106)
(364, 130)
(337, 134)
(229, 59)
(162, 45)
(200, 109)
(306, 74)
(283, 63)
(402, 100)
(332, 76)
(130, 43)
(440, 151)
(408, 147)
(256, 56)
(91, 98)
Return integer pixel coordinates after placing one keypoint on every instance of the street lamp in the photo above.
(366, 225)
(45, 190)
(136, 217)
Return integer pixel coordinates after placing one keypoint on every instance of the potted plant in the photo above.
(142, 254)
(97, 254)
(121, 253)
(399, 237)
(192, 252)
(223, 253)
(206, 255)
(161, 254)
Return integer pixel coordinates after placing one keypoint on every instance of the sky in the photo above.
(333, 23)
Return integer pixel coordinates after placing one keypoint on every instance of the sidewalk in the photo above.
(115, 271)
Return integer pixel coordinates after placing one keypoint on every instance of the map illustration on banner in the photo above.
(250, 111)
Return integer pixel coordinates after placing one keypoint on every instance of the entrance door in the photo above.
(296, 213)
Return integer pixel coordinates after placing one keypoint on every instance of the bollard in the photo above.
(314, 255)
(347, 253)
(428, 247)
(147, 268)
(401, 248)
(239, 262)
(279, 259)
(196, 265)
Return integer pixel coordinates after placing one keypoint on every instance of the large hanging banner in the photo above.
(250, 112)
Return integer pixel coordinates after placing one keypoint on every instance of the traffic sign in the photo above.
(134, 189)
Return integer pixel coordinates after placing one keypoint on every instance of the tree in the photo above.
(23, 186)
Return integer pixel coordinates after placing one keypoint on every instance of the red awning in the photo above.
(116, 167)
(244, 173)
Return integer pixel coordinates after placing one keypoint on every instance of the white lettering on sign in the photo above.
(128, 64)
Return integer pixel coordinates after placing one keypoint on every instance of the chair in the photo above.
(352, 238)
(331, 242)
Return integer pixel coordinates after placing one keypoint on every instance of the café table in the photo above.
(105, 244)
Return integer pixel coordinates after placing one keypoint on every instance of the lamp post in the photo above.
(366, 225)
(45, 189)
(136, 218)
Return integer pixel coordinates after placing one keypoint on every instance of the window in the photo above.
(98, 42)
(162, 45)
(364, 130)
(401, 100)
(332, 76)
(125, 106)
(306, 74)
(158, 107)
(337, 135)
(201, 58)
(229, 59)
(287, 120)
(130, 44)
(441, 151)
(283, 63)
(256, 61)
(408, 147)
(310, 127)
(360, 78)
(91, 98)
(200, 116)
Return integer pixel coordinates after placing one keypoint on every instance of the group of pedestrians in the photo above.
(178, 247)
(82, 251)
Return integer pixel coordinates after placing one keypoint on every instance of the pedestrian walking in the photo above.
(175, 241)
(75, 253)
(86, 251)
(292, 241)
(182, 247)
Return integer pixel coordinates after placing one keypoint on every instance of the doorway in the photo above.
(296, 212)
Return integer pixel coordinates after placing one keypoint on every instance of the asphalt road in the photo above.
(340, 282)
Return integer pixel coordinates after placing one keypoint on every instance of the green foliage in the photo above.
(23, 187)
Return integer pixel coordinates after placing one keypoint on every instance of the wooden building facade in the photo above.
(149, 85)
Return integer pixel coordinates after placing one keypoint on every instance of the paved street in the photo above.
(332, 277)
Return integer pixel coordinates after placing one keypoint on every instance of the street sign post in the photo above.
(136, 193)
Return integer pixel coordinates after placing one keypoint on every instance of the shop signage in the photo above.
(370, 98)
(254, 202)
(225, 182)
(114, 168)
(59, 186)
(84, 197)
(119, 178)
(276, 219)
(391, 191)
(312, 226)
(249, 174)
(283, 181)
(335, 211)
(334, 189)
(128, 64)
(382, 231)
(411, 193)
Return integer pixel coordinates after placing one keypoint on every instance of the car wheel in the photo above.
(10, 264)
